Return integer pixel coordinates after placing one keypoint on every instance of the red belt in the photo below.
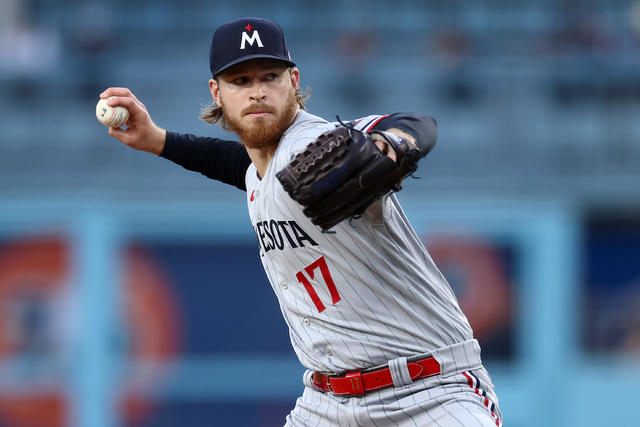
(356, 383)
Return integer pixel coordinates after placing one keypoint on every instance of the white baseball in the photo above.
(114, 117)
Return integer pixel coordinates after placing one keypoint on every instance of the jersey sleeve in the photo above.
(368, 123)
(224, 161)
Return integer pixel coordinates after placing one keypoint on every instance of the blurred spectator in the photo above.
(451, 51)
(93, 39)
(586, 37)
(354, 54)
(28, 54)
(585, 33)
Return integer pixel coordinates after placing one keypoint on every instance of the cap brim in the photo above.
(253, 56)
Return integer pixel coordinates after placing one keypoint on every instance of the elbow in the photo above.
(422, 127)
(429, 134)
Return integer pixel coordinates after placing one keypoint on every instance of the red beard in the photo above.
(260, 134)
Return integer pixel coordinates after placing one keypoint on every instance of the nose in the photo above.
(258, 92)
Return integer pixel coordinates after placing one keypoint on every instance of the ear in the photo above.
(295, 78)
(215, 90)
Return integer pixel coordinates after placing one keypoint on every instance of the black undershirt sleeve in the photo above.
(422, 127)
(225, 161)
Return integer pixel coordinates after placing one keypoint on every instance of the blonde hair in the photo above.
(213, 113)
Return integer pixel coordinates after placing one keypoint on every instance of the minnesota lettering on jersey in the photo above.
(274, 234)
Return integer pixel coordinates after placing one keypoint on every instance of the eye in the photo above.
(240, 80)
(270, 76)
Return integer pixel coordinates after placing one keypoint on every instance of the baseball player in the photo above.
(369, 314)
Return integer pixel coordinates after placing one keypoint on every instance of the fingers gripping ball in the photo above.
(113, 117)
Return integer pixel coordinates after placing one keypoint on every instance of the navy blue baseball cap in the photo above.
(244, 39)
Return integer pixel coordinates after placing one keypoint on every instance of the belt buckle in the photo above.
(316, 380)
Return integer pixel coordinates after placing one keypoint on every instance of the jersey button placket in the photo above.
(257, 205)
(284, 284)
(306, 321)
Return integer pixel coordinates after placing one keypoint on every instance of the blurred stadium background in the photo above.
(131, 293)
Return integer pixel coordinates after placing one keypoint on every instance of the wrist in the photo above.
(159, 139)
(402, 134)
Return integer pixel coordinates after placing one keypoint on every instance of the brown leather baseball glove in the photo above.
(343, 172)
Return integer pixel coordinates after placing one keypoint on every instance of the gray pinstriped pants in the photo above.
(462, 395)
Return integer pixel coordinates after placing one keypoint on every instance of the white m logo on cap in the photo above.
(253, 38)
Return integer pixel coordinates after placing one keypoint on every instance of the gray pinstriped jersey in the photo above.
(357, 298)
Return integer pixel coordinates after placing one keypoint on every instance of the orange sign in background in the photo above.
(479, 275)
(34, 327)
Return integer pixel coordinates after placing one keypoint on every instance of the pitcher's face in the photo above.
(258, 101)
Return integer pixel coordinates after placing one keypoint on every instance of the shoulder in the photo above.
(305, 129)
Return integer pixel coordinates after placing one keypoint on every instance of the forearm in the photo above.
(420, 128)
(225, 161)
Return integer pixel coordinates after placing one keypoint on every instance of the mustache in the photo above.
(257, 107)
